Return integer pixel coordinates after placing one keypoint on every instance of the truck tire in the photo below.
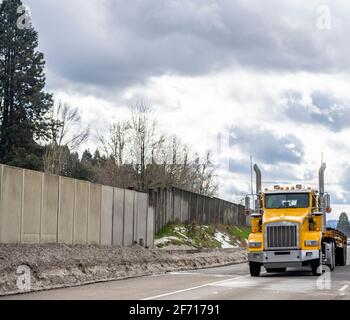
(330, 254)
(339, 256)
(332, 267)
(316, 266)
(275, 270)
(254, 268)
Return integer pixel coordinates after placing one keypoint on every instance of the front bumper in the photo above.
(282, 259)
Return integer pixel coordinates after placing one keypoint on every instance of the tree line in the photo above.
(37, 133)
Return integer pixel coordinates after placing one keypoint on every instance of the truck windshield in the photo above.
(287, 200)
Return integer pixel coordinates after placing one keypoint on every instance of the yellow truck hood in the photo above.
(291, 215)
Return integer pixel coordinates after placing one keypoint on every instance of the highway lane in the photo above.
(226, 283)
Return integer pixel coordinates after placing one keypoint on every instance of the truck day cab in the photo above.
(288, 229)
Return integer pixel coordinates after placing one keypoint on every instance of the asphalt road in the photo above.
(226, 283)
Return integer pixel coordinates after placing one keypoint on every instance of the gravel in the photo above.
(56, 265)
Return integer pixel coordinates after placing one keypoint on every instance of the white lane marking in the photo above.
(343, 288)
(194, 288)
(197, 274)
(184, 273)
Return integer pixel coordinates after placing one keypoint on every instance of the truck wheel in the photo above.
(254, 268)
(275, 270)
(345, 256)
(339, 256)
(332, 265)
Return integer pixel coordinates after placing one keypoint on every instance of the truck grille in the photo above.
(281, 236)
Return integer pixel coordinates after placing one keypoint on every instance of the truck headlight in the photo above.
(311, 243)
(254, 244)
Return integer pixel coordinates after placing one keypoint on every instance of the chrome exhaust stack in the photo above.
(258, 179)
(321, 178)
(258, 187)
(324, 201)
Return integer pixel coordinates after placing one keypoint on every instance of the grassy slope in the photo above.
(200, 236)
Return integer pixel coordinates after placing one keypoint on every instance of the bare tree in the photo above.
(205, 176)
(146, 140)
(143, 157)
(118, 139)
(66, 134)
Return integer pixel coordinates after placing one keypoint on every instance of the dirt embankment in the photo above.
(55, 266)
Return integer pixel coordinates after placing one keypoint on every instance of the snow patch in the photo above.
(224, 240)
(165, 240)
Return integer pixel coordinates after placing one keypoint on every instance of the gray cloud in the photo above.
(113, 43)
(345, 180)
(325, 110)
(266, 147)
(238, 166)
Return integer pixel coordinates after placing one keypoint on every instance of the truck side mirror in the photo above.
(247, 205)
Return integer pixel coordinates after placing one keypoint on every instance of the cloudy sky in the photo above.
(235, 77)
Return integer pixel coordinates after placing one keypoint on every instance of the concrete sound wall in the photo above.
(41, 208)
(175, 205)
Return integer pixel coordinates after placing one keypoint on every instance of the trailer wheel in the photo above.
(332, 262)
(339, 256)
(254, 268)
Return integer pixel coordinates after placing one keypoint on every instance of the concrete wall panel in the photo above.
(118, 217)
(135, 222)
(94, 218)
(11, 205)
(66, 210)
(81, 210)
(141, 217)
(107, 216)
(128, 218)
(169, 207)
(49, 209)
(150, 228)
(177, 205)
(31, 207)
(185, 206)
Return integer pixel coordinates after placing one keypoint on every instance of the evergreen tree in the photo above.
(24, 105)
(343, 224)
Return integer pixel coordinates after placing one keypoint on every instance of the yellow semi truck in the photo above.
(288, 229)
